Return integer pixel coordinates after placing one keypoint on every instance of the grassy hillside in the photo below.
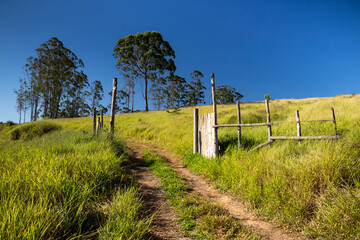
(65, 184)
(312, 185)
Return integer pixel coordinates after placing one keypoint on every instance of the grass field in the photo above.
(66, 184)
(312, 186)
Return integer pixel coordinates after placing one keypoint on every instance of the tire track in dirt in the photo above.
(235, 208)
(163, 224)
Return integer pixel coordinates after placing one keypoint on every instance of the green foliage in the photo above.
(195, 89)
(289, 181)
(125, 219)
(267, 96)
(55, 82)
(34, 129)
(59, 187)
(174, 91)
(144, 56)
(226, 94)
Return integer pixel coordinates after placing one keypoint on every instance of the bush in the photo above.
(31, 130)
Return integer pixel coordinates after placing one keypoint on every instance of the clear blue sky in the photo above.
(289, 49)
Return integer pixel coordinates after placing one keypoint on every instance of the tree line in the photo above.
(56, 86)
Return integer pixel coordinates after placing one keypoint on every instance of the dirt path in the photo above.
(237, 209)
(164, 225)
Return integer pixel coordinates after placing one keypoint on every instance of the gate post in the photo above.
(268, 118)
(216, 146)
(196, 131)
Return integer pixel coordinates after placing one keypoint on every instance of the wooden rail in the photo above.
(243, 125)
(214, 126)
(303, 137)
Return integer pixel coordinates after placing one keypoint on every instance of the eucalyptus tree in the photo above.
(52, 72)
(226, 94)
(97, 94)
(195, 89)
(157, 92)
(174, 91)
(144, 56)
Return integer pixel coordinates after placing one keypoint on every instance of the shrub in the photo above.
(33, 129)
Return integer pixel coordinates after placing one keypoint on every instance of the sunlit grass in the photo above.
(295, 183)
(52, 186)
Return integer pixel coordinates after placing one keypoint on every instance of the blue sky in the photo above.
(289, 49)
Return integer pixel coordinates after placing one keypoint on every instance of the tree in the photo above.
(226, 94)
(195, 89)
(97, 93)
(157, 92)
(174, 91)
(129, 88)
(144, 56)
(267, 96)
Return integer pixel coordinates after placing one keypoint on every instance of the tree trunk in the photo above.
(145, 95)
(20, 117)
(35, 110)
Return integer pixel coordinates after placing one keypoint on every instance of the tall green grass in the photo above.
(309, 185)
(55, 186)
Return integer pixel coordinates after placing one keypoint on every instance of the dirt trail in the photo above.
(237, 209)
(164, 225)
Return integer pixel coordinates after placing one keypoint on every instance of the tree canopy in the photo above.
(226, 94)
(144, 56)
(55, 84)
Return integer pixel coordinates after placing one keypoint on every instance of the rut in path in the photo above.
(235, 208)
(163, 225)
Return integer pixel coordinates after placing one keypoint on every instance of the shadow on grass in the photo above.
(230, 141)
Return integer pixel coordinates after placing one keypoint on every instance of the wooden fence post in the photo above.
(98, 126)
(102, 118)
(298, 123)
(112, 117)
(334, 120)
(94, 120)
(196, 131)
(268, 118)
(239, 122)
(215, 113)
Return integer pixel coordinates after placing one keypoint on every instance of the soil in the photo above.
(163, 225)
(268, 230)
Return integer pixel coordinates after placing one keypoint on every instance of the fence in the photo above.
(205, 128)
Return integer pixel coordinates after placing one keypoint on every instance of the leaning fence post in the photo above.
(94, 120)
(215, 113)
(196, 131)
(268, 118)
(239, 122)
(334, 120)
(102, 118)
(112, 117)
(298, 123)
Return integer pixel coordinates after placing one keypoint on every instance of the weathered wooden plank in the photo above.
(334, 120)
(303, 121)
(298, 126)
(94, 120)
(112, 116)
(215, 114)
(262, 145)
(98, 126)
(196, 131)
(268, 118)
(239, 122)
(207, 146)
(102, 118)
(303, 137)
(243, 125)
